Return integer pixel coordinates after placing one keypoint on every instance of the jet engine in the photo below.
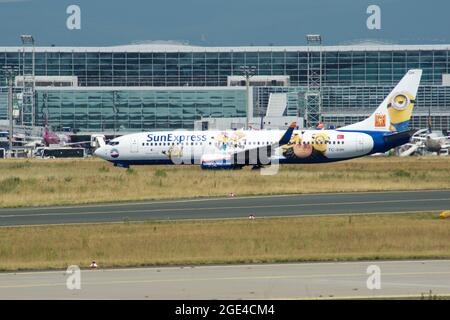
(217, 162)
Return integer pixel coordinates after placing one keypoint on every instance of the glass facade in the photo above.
(355, 80)
(123, 109)
(191, 66)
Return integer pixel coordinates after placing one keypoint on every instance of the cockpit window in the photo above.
(113, 143)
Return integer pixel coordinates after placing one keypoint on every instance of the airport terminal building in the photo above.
(161, 86)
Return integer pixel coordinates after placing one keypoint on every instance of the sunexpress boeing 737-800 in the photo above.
(386, 128)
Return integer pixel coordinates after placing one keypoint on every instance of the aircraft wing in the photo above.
(255, 155)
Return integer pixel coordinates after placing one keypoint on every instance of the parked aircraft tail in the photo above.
(394, 113)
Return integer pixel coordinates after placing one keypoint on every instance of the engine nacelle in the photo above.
(217, 162)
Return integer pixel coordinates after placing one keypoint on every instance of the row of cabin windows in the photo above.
(173, 144)
(195, 143)
(245, 143)
(325, 142)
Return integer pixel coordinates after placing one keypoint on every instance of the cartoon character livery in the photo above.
(400, 109)
(386, 128)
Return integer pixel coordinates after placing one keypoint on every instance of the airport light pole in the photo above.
(27, 39)
(314, 39)
(29, 80)
(9, 72)
(115, 111)
(313, 99)
(248, 72)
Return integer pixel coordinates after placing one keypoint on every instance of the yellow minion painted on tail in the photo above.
(400, 109)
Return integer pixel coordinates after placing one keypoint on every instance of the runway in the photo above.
(270, 281)
(236, 207)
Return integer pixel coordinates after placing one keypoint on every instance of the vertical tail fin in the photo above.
(394, 113)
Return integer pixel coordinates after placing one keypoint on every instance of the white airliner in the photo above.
(386, 128)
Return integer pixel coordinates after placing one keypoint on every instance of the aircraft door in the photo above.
(134, 145)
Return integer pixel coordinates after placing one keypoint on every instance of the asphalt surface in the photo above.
(271, 281)
(236, 207)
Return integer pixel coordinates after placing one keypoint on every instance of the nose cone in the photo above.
(100, 152)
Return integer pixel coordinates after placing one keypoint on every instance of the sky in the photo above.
(223, 22)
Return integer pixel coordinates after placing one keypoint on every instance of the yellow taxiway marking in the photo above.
(154, 202)
(220, 208)
(236, 266)
(191, 279)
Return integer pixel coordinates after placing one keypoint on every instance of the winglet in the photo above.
(288, 134)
